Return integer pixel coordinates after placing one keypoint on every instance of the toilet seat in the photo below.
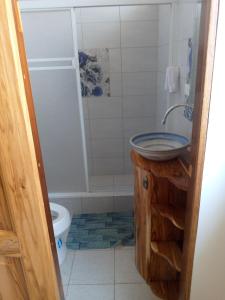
(62, 219)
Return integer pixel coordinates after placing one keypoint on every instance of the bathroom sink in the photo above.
(159, 146)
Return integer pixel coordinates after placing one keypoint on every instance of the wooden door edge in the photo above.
(208, 27)
(33, 122)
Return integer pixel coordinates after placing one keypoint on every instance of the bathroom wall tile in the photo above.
(108, 166)
(139, 59)
(123, 203)
(78, 15)
(88, 146)
(101, 35)
(139, 83)
(116, 84)
(163, 59)
(139, 13)
(115, 60)
(136, 125)
(87, 129)
(97, 205)
(99, 181)
(127, 148)
(107, 148)
(123, 180)
(187, 13)
(128, 165)
(100, 14)
(161, 94)
(164, 24)
(80, 43)
(85, 107)
(104, 107)
(106, 128)
(139, 106)
(139, 34)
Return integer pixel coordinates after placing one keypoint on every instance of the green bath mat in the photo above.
(101, 231)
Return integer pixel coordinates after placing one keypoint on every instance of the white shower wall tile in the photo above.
(116, 84)
(139, 13)
(104, 107)
(163, 59)
(85, 108)
(164, 25)
(123, 203)
(107, 148)
(133, 126)
(101, 181)
(100, 14)
(139, 106)
(115, 60)
(108, 166)
(106, 128)
(139, 34)
(98, 205)
(101, 35)
(139, 59)
(80, 43)
(139, 83)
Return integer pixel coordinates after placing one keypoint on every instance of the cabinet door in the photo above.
(143, 221)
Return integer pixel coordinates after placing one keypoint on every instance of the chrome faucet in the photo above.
(170, 109)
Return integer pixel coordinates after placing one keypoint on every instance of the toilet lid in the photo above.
(60, 217)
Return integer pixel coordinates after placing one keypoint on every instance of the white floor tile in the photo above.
(125, 269)
(66, 267)
(133, 292)
(90, 292)
(93, 267)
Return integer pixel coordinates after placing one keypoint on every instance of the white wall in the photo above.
(163, 61)
(131, 35)
(209, 263)
(186, 14)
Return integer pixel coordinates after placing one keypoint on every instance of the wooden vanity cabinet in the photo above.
(160, 203)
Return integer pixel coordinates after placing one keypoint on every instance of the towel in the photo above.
(172, 79)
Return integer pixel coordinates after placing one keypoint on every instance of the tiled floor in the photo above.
(103, 275)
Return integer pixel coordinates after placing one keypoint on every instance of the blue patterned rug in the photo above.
(101, 231)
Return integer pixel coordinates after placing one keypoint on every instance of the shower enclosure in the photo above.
(97, 77)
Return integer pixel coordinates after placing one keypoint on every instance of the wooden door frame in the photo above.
(206, 53)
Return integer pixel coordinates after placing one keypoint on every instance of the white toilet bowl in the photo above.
(61, 223)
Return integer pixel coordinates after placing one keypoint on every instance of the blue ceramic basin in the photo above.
(159, 145)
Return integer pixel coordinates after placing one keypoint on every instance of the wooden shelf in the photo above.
(175, 215)
(167, 290)
(182, 183)
(170, 252)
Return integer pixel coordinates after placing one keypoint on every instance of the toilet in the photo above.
(61, 224)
